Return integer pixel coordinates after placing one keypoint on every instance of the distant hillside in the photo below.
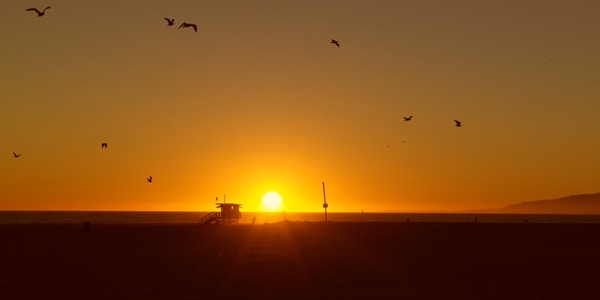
(588, 204)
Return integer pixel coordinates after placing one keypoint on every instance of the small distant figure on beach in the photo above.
(253, 220)
(16, 155)
(149, 179)
(40, 13)
(458, 123)
(104, 145)
(475, 219)
(335, 42)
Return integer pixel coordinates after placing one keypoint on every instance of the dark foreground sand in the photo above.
(301, 261)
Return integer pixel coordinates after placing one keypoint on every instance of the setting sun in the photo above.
(271, 201)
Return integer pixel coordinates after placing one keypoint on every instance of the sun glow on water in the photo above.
(271, 201)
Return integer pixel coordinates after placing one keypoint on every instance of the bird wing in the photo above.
(195, 27)
(33, 9)
(46, 8)
(182, 25)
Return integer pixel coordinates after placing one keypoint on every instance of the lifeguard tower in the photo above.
(229, 214)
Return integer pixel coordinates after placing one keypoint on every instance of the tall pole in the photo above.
(325, 202)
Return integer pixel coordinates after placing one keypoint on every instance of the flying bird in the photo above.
(184, 25)
(171, 21)
(16, 155)
(104, 145)
(149, 179)
(40, 14)
(407, 118)
(335, 42)
(458, 123)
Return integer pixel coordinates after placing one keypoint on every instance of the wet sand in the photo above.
(301, 261)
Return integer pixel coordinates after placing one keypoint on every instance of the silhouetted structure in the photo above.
(229, 214)
(325, 205)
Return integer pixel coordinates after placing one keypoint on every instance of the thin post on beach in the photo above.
(325, 202)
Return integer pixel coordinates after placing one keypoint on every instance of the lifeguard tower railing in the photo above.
(210, 218)
(217, 218)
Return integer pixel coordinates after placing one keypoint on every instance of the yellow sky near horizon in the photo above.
(258, 100)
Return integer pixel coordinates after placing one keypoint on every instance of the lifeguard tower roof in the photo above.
(219, 205)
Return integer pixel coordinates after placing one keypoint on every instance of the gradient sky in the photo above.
(259, 100)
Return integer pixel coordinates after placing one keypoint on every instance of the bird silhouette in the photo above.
(184, 25)
(16, 155)
(149, 179)
(407, 118)
(171, 21)
(40, 14)
(104, 145)
(458, 123)
(335, 42)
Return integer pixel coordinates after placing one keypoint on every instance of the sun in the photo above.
(271, 201)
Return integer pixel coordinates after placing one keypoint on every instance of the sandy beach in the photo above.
(301, 261)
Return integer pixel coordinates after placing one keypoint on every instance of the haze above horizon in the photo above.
(259, 100)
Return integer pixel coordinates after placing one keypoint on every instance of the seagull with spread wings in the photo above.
(407, 118)
(16, 155)
(171, 22)
(184, 25)
(335, 42)
(458, 123)
(40, 13)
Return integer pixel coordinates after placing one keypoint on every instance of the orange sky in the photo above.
(259, 100)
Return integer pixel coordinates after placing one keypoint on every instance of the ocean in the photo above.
(132, 217)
